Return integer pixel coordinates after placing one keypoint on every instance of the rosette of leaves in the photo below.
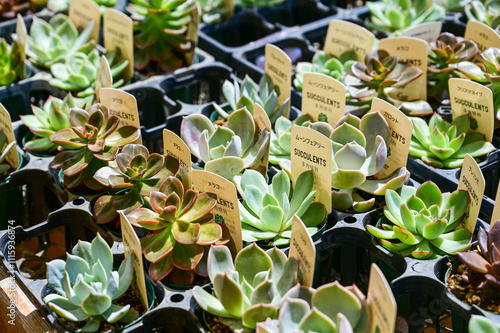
(453, 5)
(92, 141)
(52, 42)
(380, 71)
(265, 94)
(483, 324)
(359, 152)
(281, 138)
(444, 145)
(487, 12)
(161, 33)
(182, 231)
(250, 290)
(423, 222)
(327, 64)
(483, 266)
(330, 308)
(213, 11)
(226, 150)
(11, 65)
(5, 149)
(52, 117)
(10, 8)
(267, 210)
(443, 57)
(87, 286)
(397, 15)
(79, 72)
(137, 171)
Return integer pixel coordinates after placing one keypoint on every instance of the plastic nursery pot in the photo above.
(291, 12)
(11, 201)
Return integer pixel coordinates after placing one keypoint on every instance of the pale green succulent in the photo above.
(225, 150)
(86, 285)
(213, 11)
(424, 222)
(453, 5)
(250, 290)
(330, 308)
(5, 149)
(480, 324)
(267, 210)
(487, 12)
(52, 42)
(63, 5)
(11, 65)
(79, 72)
(266, 95)
(281, 138)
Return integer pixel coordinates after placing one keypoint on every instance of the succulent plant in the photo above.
(137, 171)
(46, 121)
(52, 42)
(379, 71)
(180, 221)
(281, 138)
(483, 266)
(161, 33)
(79, 72)
(397, 15)
(267, 210)
(266, 95)
(443, 57)
(424, 222)
(11, 64)
(482, 324)
(225, 150)
(330, 308)
(10, 8)
(250, 290)
(440, 144)
(92, 141)
(258, 3)
(213, 11)
(326, 64)
(487, 12)
(63, 5)
(5, 149)
(453, 5)
(87, 285)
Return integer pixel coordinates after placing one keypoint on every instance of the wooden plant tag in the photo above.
(496, 209)
(401, 128)
(323, 98)
(175, 147)
(227, 211)
(483, 35)
(381, 303)
(122, 104)
(262, 121)
(311, 150)
(119, 37)
(21, 33)
(81, 12)
(468, 97)
(344, 36)
(6, 126)
(192, 34)
(104, 77)
(132, 246)
(428, 31)
(302, 248)
(412, 50)
(279, 69)
(472, 180)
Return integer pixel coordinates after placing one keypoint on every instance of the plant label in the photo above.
(381, 302)
(401, 128)
(496, 210)
(81, 12)
(104, 77)
(311, 150)
(192, 34)
(428, 31)
(6, 126)
(227, 210)
(132, 246)
(411, 50)
(263, 123)
(468, 97)
(119, 37)
(123, 105)
(279, 68)
(472, 180)
(17, 297)
(345, 36)
(302, 248)
(21, 33)
(483, 35)
(175, 147)
(323, 98)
